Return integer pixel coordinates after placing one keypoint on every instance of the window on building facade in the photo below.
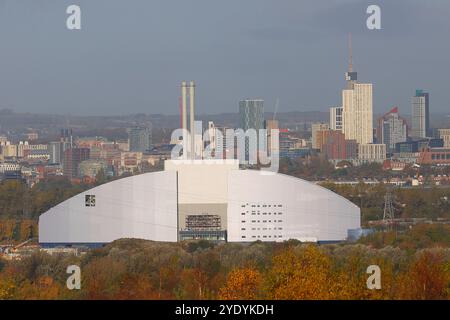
(90, 200)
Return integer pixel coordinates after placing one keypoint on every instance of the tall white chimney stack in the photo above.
(183, 104)
(192, 115)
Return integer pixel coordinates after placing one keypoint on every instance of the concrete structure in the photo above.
(270, 125)
(444, 134)
(54, 151)
(413, 146)
(357, 106)
(315, 129)
(72, 159)
(436, 156)
(336, 119)
(420, 115)
(372, 152)
(201, 199)
(140, 139)
(9, 167)
(9, 150)
(142, 206)
(90, 168)
(183, 105)
(357, 113)
(192, 119)
(335, 147)
(193, 148)
(391, 129)
(23, 146)
(218, 142)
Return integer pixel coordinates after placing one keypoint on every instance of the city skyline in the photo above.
(70, 72)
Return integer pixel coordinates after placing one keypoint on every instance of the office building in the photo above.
(435, 156)
(335, 147)
(444, 134)
(391, 129)
(72, 159)
(357, 107)
(317, 128)
(251, 115)
(90, 168)
(336, 118)
(371, 153)
(140, 139)
(357, 113)
(420, 115)
(269, 126)
(54, 151)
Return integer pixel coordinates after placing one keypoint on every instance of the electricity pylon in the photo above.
(388, 215)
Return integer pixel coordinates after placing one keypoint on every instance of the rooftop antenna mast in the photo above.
(350, 53)
(350, 76)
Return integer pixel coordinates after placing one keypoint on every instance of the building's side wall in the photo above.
(298, 209)
(142, 207)
(357, 113)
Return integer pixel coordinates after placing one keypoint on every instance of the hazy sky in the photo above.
(131, 55)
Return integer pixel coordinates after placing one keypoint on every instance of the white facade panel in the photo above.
(202, 181)
(142, 207)
(357, 114)
(278, 207)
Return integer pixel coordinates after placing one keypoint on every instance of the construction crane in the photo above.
(277, 105)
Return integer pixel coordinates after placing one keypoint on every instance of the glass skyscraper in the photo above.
(251, 115)
(420, 115)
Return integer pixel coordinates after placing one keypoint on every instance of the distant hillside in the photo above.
(50, 124)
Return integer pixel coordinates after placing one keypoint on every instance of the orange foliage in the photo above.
(242, 284)
(427, 279)
(304, 275)
(135, 287)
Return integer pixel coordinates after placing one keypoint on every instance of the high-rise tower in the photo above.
(391, 129)
(420, 114)
(357, 104)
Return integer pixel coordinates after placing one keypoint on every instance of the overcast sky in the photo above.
(131, 55)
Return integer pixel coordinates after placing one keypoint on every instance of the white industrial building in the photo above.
(201, 199)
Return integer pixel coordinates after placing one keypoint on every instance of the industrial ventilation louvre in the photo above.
(203, 222)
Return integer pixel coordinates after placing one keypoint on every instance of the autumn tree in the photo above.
(242, 284)
(428, 278)
(135, 287)
(301, 274)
